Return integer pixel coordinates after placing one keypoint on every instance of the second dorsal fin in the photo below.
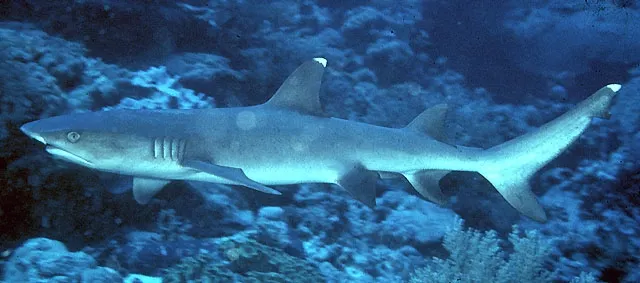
(300, 91)
(431, 122)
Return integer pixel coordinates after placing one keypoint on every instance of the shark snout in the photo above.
(28, 130)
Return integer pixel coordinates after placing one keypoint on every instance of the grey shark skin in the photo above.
(288, 140)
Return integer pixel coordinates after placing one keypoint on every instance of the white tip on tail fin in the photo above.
(614, 87)
(509, 166)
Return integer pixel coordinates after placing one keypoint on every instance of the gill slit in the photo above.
(157, 148)
(169, 148)
(166, 148)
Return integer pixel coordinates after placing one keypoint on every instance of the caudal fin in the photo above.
(509, 166)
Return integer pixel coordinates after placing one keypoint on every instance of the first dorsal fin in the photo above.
(431, 122)
(300, 92)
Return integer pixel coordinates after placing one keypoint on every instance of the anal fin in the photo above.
(235, 175)
(144, 188)
(361, 183)
(426, 182)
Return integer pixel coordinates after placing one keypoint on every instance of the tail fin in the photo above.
(509, 166)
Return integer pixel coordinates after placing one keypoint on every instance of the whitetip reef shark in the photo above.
(289, 140)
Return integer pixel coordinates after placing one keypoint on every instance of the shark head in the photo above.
(86, 139)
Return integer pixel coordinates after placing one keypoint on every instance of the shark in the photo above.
(290, 140)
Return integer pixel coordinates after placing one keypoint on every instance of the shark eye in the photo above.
(73, 136)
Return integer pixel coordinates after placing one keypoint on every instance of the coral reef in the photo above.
(476, 256)
(245, 260)
(44, 260)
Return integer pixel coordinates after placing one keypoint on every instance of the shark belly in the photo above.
(282, 174)
(157, 171)
(270, 176)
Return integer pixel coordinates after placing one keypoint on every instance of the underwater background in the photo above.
(503, 67)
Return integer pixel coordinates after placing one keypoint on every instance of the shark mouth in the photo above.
(58, 152)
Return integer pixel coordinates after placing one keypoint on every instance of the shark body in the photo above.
(288, 140)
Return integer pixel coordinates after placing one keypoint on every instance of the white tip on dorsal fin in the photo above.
(431, 122)
(301, 90)
(321, 61)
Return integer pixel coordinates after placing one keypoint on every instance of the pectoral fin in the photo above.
(235, 175)
(361, 183)
(144, 189)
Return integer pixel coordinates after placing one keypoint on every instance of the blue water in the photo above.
(503, 68)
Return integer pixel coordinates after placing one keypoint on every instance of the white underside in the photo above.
(271, 176)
